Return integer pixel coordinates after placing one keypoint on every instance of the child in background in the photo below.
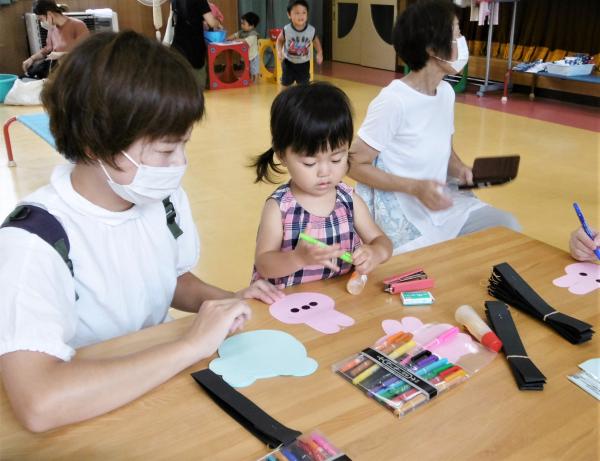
(293, 45)
(311, 129)
(248, 24)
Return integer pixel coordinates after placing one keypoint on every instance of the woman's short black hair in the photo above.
(425, 24)
(42, 7)
(251, 18)
(115, 89)
(307, 119)
(293, 3)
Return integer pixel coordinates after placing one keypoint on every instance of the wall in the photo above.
(132, 15)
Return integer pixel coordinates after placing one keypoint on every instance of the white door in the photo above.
(346, 31)
(377, 19)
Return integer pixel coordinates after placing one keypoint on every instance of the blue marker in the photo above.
(586, 229)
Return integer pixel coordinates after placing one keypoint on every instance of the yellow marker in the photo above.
(394, 355)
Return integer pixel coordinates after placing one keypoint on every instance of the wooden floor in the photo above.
(559, 165)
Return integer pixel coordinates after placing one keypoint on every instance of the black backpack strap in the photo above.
(38, 221)
(171, 215)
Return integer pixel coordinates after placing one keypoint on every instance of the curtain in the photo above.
(545, 29)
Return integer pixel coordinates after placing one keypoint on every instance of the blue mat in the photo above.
(40, 125)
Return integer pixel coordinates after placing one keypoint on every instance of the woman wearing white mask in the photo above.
(63, 34)
(403, 154)
(122, 121)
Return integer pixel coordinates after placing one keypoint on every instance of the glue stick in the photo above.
(467, 316)
(356, 283)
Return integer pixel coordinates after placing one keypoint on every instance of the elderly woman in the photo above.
(403, 154)
(63, 34)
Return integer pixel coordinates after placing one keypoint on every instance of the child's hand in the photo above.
(308, 254)
(365, 259)
(214, 321)
(319, 58)
(582, 247)
(263, 291)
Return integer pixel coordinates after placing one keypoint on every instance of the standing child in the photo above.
(248, 33)
(293, 45)
(311, 129)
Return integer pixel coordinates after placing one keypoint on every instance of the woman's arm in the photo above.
(212, 21)
(46, 392)
(191, 292)
(377, 247)
(457, 169)
(429, 192)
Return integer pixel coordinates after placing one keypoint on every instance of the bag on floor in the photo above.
(24, 93)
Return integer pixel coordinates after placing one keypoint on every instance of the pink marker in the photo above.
(437, 341)
(442, 338)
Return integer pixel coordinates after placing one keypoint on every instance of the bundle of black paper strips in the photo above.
(505, 284)
(527, 375)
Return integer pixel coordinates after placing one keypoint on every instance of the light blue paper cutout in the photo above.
(252, 355)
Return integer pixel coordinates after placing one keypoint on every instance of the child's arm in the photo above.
(279, 45)
(233, 36)
(271, 262)
(317, 45)
(377, 247)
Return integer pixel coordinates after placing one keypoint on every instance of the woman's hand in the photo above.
(431, 194)
(464, 174)
(263, 291)
(27, 64)
(582, 247)
(215, 320)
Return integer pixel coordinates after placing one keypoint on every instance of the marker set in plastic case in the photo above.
(405, 370)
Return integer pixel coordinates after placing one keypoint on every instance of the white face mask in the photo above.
(150, 183)
(45, 24)
(462, 57)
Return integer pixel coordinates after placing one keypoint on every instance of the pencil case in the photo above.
(307, 447)
(408, 369)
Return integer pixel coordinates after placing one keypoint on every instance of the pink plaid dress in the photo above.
(338, 228)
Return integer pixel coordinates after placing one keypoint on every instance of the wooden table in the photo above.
(485, 418)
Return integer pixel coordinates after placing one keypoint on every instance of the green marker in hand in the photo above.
(347, 256)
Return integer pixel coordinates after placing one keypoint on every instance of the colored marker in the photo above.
(320, 441)
(394, 355)
(288, 454)
(347, 256)
(442, 338)
(386, 349)
(585, 227)
(401, 385)
(431, 375)
(435, 342)
(386, 342)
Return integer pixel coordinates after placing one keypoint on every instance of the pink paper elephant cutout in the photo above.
(581, 278)
(314, 309)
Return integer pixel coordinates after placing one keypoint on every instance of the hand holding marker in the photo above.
(313, 241)
(357, 281)
(585, 227)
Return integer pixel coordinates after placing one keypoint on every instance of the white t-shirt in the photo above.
(413, 133)
(126, 266)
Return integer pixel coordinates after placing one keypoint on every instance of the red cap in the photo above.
(491, 341)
